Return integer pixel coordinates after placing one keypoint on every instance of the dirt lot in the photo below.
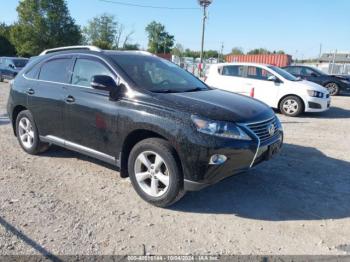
(299, 203)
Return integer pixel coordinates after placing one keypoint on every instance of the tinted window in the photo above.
(85, 69)
(258, 73)
(293, 70)
(283, 73)
(158, 75)
(233, 71)
(55, 70)
(33, 72)
(20, 62)
(307, 72)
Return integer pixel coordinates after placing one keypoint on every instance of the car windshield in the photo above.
(158, 75)
(20, 62)
(284, 73)
(319, 71)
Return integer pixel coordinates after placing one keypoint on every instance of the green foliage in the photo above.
(237, 51)
(43, 24)
(159, 41)
(6, 47)
(178, 50)
(131, 47)
(259, 51)
(106, 32)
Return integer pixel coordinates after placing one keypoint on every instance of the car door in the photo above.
(257, 78)
(45, 95)
(231, 79)
(310, 75)
(91, 117)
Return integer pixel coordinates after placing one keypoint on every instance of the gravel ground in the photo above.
(66, 204)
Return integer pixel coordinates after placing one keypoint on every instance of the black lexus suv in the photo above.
(334, 83)
(164, 128)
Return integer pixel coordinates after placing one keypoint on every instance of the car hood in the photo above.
(219, 105)
(342, 77)
(312, 86)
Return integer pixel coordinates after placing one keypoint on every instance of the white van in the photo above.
(272, 85)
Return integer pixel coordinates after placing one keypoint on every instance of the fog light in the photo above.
(217, 160)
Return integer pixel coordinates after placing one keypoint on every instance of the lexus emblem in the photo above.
(271, 128)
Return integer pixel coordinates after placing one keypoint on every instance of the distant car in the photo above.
(334, 83)
(10, 66)
(271, 85)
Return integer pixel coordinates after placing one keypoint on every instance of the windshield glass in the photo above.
(319, 71)
(284, 73)
(158, 75)
(20, 62)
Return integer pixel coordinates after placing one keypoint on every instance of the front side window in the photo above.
(258, 73)
(55, 70)
(158, 75)
(283, 73)
(85, 69)
(233, 71)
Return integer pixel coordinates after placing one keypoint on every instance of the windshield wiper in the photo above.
(165, 91)
(196, 89)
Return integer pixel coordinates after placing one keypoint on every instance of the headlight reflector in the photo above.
(314, 93)
(219, 128)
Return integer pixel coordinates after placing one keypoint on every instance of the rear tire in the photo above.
(332, 88)
(1, 78)
(28, 135)
(154, 172)
(291, 106)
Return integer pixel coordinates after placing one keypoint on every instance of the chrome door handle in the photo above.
(30, 91)
(70, 99)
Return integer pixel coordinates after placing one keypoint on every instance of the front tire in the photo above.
(332, 88)
(154, 172)
(291, 106)
(28, 135)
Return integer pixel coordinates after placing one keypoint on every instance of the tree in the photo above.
(6, 47)
(159, 40)
(178, 50)
(259, 51)
(43, 24)
(106, 32)
(237, 51)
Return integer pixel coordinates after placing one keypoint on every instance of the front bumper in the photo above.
(314, 104)
(241, 156)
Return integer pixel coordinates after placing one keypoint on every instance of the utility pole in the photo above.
(320, 55)
(333, 62)
(222, 51)
(204, 4)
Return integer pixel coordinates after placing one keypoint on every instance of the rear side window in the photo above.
(258, 73)
(233, 71)
(85, 69)
(56, 70)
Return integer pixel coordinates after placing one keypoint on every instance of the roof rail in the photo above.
(67, 48)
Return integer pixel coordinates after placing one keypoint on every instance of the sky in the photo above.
(297, 26)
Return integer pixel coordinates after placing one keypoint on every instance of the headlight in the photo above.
(219, 128)
(315, 93)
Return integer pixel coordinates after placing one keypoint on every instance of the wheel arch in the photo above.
(16, 110)
(283, 97)
(135, 137)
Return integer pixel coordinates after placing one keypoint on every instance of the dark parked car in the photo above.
(10, 66)
(159, 124)
(334, 83)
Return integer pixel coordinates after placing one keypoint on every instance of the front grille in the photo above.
(261, 129)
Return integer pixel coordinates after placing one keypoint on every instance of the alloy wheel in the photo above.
(26, 132)
(332, 88)
(290, 106)
(152, 173)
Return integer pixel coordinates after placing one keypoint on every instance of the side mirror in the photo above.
(314, 75)
(11, 66)
(103, 82)
(273, 78)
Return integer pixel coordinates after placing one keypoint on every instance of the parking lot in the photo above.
(65, 203)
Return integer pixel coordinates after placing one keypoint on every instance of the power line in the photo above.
(148, 6)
